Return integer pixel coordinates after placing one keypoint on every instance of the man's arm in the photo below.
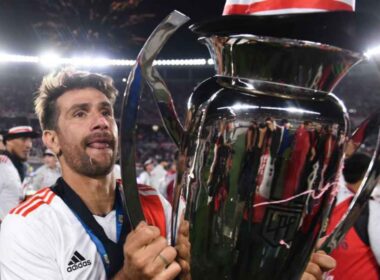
(147, 255)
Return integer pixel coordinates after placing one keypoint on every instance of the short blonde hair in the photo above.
(57, 83)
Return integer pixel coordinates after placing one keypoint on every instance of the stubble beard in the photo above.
(78, 160)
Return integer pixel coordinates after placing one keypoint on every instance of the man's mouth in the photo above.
(99, 145)
(100, 142)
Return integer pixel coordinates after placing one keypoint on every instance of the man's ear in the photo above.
(50, 139)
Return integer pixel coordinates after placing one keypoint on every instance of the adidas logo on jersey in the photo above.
(77, 261)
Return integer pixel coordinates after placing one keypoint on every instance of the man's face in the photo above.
(149, 167)
(20, 147)
(50, 161)
(87, 132)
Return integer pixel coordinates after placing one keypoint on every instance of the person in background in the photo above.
(166, 187)
(358, 254)
(48, 173)
(13, 168)
(158, 173)
(2, 146)
(145, 177)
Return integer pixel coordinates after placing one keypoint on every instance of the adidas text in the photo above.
(78, 265)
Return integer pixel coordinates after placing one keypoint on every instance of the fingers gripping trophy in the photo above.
(264, 138)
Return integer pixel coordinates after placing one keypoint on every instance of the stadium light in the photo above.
(51, 59)
(15, 58)
(372, 52)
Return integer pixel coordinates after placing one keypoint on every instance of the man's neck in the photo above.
(98, 194)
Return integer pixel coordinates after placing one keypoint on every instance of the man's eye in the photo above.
(79, 114)
(107, 113)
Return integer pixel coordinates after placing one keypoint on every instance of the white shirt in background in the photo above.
(157, 176)
(11, 188)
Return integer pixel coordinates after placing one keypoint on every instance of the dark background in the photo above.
(111, 28)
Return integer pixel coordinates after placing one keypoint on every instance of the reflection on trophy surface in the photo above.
(258, 183)
(263, 141)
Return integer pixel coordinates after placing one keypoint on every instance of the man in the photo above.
(145, 177)
(18, 143)
(358, 254)
(77, 229)
(158, 173)
(48, 173)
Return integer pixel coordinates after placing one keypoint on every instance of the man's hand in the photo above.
(183, 249)
(147, 255)
(319, 263)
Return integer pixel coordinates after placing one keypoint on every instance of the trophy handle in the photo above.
(143, 69)
(369, 128)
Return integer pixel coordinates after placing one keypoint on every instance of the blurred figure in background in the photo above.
(2, 146)
(145, 177)
(48, 173)
(158, 173)
(166, 187)
(13, 168)
(358, 254)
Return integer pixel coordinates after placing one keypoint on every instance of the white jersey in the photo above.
(42, 239)
(11, 190)
(144, 179)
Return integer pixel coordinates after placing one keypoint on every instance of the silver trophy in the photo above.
(263, 141)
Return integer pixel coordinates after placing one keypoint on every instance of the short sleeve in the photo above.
(26, 250)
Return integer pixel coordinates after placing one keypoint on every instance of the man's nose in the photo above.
(100, 122)
(28, 143)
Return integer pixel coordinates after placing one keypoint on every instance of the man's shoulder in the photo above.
(30, 218)
(34, 207)
(4, 159)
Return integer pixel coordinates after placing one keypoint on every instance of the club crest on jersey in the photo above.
(77, 262)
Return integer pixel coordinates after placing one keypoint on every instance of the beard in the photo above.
(78, 160)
